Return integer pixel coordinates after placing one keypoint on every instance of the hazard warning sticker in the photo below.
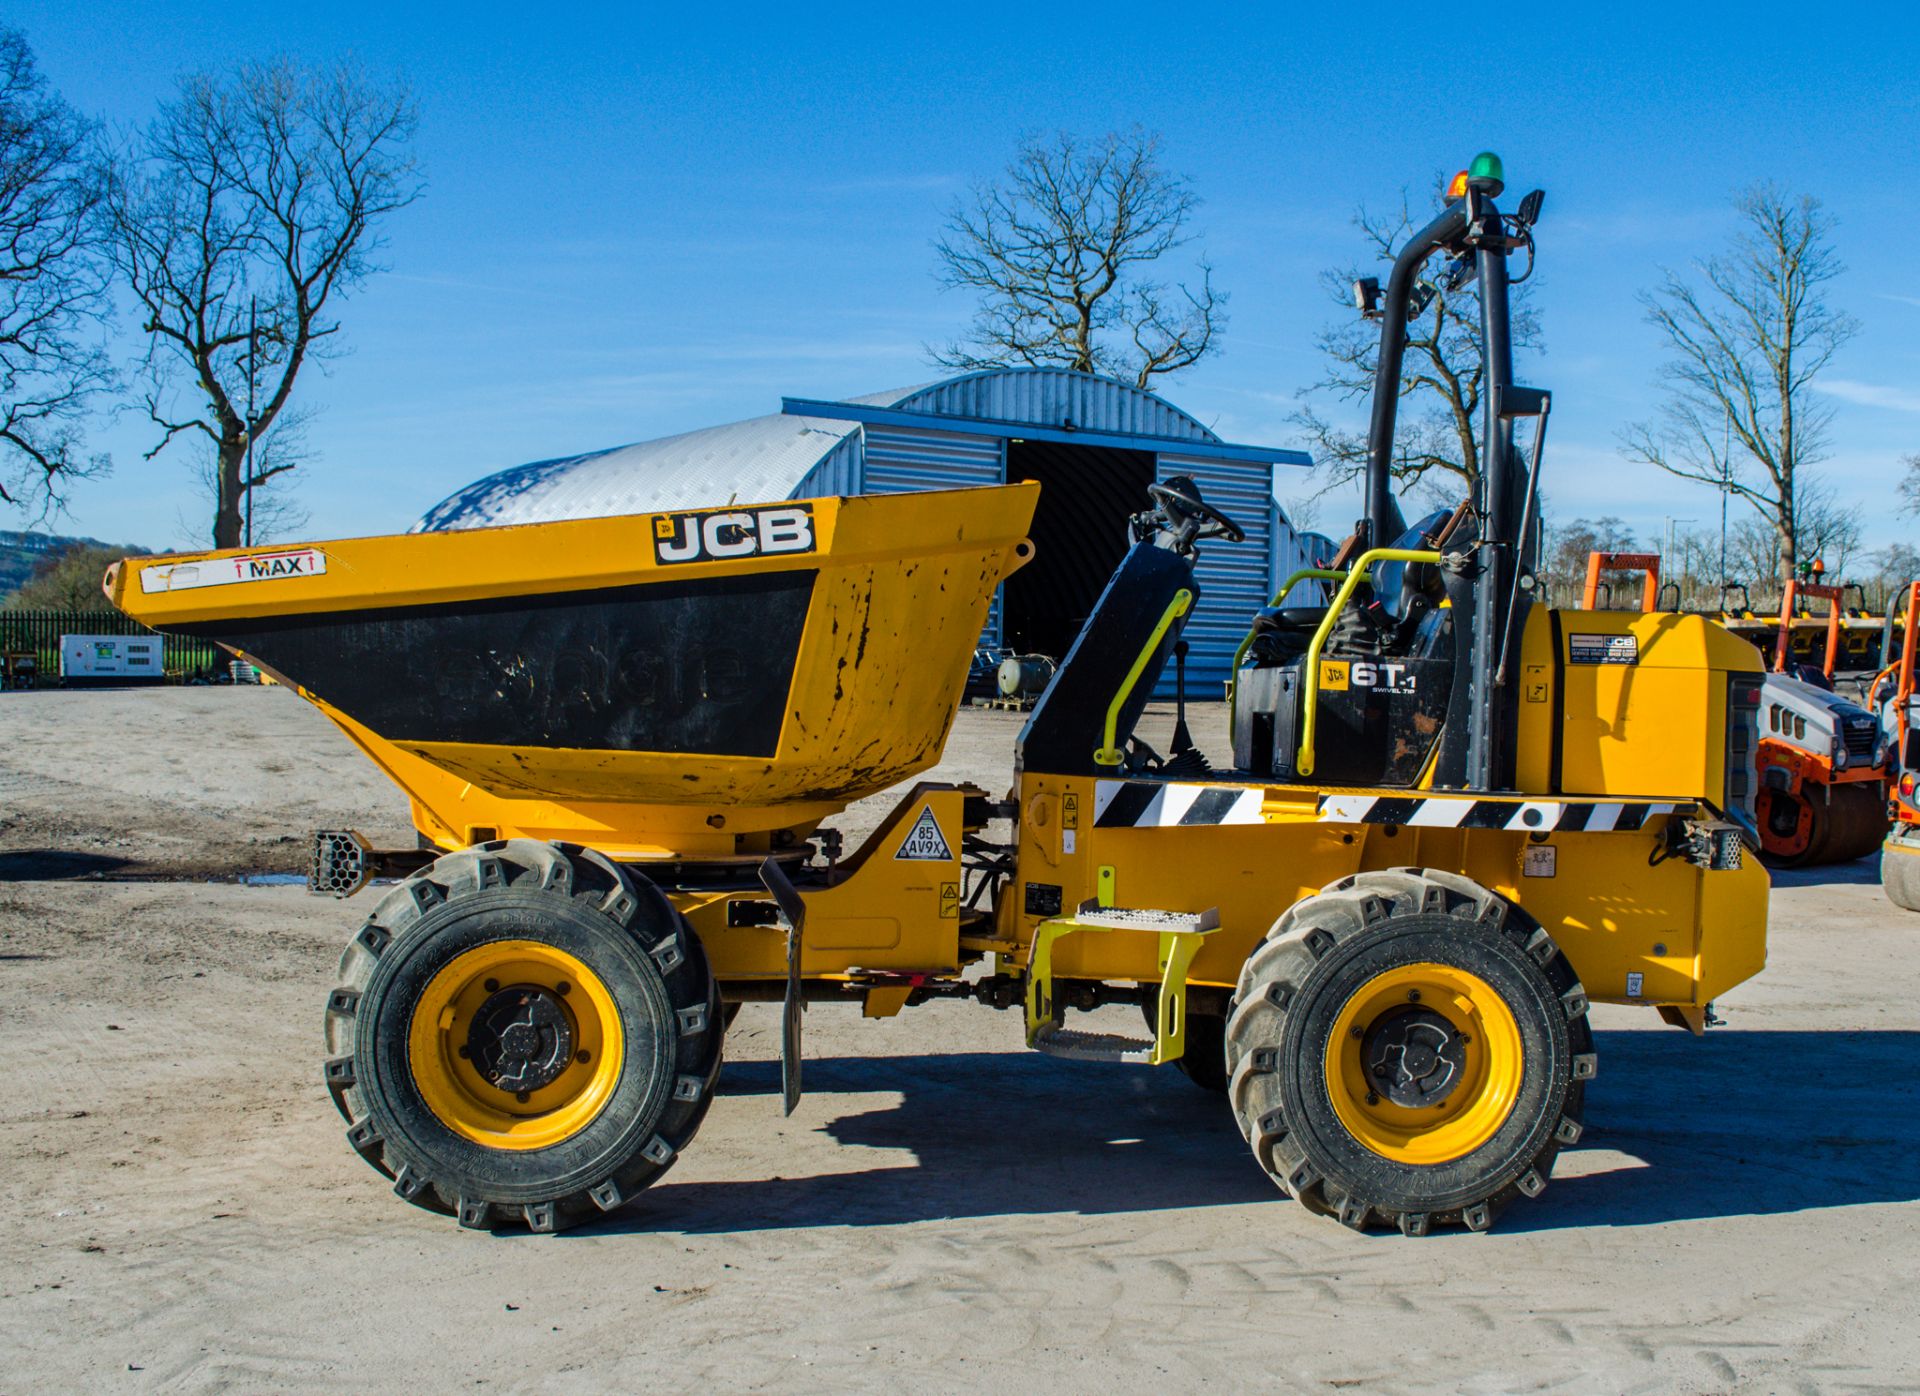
(924, 842)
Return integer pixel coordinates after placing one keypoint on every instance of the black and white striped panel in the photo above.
(1128, 804)
(1465, 812)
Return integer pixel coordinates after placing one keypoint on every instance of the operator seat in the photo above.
(1389, 615)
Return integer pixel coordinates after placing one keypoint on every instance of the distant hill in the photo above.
(20, 552)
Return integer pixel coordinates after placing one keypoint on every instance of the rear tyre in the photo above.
(1900, 871)
(1205, 1061)
(1408, 1049)
(523, 1034)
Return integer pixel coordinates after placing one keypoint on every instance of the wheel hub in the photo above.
(521, 1039)
(1414, 1057)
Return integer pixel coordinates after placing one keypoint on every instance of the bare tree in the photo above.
(1057, 251)
(1749, 333)
(1564, 558)
(52, 286)
(1910, 485)
(271, 512)
(1438, 440)
(242, 215)
(1827, 528)
(1893, 568)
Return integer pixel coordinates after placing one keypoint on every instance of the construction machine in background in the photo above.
(1896, 708)
(1821, 764)
(1456, 816)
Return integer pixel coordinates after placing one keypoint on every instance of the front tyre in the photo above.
(523, 1034)
(1408, 1049)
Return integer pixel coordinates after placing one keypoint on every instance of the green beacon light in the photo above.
(1486, 168)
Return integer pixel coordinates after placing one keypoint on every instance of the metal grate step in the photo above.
(1094, 1046)
(1120, 918)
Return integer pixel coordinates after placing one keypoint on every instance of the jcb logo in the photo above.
(1338, 675)
(719, 534)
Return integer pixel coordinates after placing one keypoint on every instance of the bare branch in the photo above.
(239, 219)
(1054, 252)
(52, 288)
(1437, 443)
(1748, 334)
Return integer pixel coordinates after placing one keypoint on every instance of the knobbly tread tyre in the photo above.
(1280, 996)
(627, 932)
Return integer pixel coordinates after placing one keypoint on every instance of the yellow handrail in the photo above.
(1310, 688)
(1109, 754)
(1305, 574)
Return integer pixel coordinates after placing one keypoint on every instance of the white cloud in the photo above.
(1870, 394)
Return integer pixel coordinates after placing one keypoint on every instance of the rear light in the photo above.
(1906, 786)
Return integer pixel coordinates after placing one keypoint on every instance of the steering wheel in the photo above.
(1181, 505)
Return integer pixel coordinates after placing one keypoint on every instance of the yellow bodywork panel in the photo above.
(1634, 705)
(896, 589)
(893, 906)
(1639, 928)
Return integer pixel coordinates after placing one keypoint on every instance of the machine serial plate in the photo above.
(1603, 649)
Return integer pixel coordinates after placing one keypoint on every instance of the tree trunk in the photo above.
(1783, 532)
(227, 521)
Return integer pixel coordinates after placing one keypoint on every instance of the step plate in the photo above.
(1120, 918)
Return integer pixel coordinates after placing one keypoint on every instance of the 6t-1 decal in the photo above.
(715, 535)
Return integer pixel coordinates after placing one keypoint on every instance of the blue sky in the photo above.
(643, 219)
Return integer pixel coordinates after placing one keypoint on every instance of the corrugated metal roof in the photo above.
(1047, 397)
(762, 458)
(766, 458)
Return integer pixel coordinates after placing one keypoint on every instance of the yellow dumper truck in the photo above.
(1455, 817)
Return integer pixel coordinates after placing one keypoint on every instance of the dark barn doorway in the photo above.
(1087, 494)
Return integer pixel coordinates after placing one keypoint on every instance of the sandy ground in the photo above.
(178, 1209)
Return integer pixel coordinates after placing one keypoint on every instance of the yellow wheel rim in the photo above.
(536, 1011)
(1443, 1042)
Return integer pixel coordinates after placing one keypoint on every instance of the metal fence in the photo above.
(38, 633)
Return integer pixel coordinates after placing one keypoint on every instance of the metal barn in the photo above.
(1093, 443)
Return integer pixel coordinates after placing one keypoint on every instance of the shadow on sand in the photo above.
(1861, 872)
(55, 865)
(1738, 1124)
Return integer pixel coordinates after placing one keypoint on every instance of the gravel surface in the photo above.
(945, 1209)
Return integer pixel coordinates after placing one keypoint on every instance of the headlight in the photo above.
(1839, 753)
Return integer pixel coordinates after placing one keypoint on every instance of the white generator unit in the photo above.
(111, 659)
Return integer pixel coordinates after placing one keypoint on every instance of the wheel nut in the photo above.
(522, 1097)
(492, 986)
(1372, 1099)
(464, 1051)
(1413, 996)
(1358, 1032)
(583, 1057)
(563, 987)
